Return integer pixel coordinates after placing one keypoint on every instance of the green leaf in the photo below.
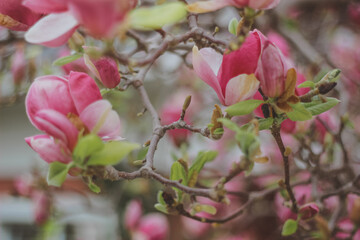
(161, 208)
(203, 208)
(93, 187)
(157, 16)
(229, 124)
(112, 153)
(289, 227)
(57, 173)
(197, 166)
(243, 107)
(160, 198)
(218, 131)
(307, 84)
(142, 153)
(299, 113)
(68, 59)
(247, 142)
(178, 173)
(233, 24)
(265, 123)
(86, 146)
(319, 107)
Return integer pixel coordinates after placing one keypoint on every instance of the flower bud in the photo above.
(308, 211)
(18, 65)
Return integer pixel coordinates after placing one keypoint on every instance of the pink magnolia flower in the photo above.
(15, 16)
(63, 108)
(272, 68)
(308, 211)
(18, 65)
(41, 206)
(345, 229)
(302, 195)
(105, 69)
(99, 18)
(232, 75)
(354, 12)
(153, 226)
(213, 5)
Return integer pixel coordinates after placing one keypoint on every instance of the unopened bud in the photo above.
(187, 103)
(326, 87)
(287, 151)
(308, 211)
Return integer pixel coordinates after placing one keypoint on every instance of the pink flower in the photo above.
(308, 211)
(354, 12)
(153, 226)
(15, 16)
(64, 107)
(213, 5)
(232, 75)
(105, 69)
(99, 18)
(41, 207)
(18, 65)
(133, 214)
(272, 68)
(23, 185)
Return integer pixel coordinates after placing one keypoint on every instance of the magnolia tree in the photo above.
(270, 160)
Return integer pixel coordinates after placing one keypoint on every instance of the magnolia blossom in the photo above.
(63, 108)
(15, 16)
(153, 226)
(232, 75)
(308, 211)
(272, 68)
(213, 5)
(18, 65)
(105, 69)
(99, 17)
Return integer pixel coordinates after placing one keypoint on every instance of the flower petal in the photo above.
(15, 16)
(58, 126)
(48, 149)
(213, 5)
(241, 88)
(98, 17)
(206, 64)
(53, 30)
(83, 89)
(242, 61)
(49, 92)
(46, 6)
(101, 119)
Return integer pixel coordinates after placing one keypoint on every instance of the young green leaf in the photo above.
(307, 84)
(178, 173)
(57, 173)
(161, 208)
(93, 187)
(156, 17)
(320, 107)
(112, 153)
(299, 113)
(67, 59)
(142, 153)
(289, 228)
(203, 208)
(201, 159)
(229, 124)
(160, 198)
(233, 26)
(243, 107)
(86, 146)
(265, 123)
